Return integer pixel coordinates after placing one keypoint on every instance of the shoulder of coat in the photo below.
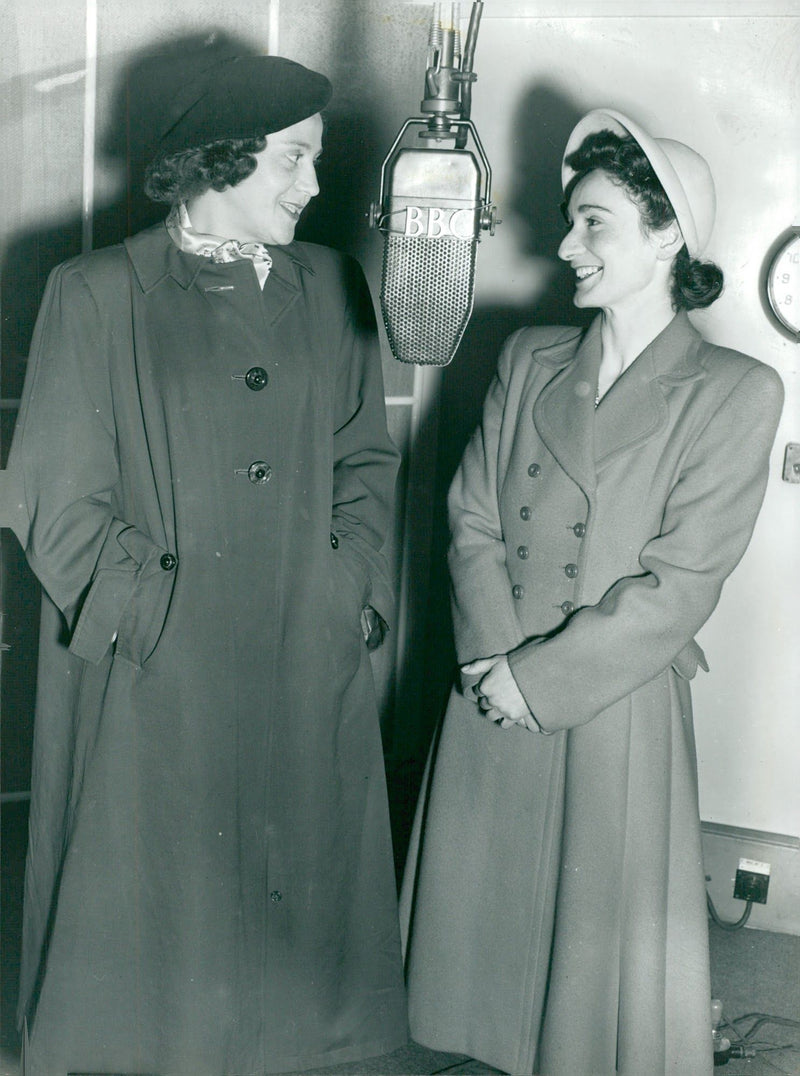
(315, 257)
(331, 267)
(730, 367)
(101, 274)
(95, 264)
(550, 345)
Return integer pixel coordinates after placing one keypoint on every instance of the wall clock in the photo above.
(783, 283)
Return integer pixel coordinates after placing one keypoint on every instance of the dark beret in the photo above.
(236, 97)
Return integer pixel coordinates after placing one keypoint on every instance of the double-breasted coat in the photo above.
(553, 905)
(208, 479)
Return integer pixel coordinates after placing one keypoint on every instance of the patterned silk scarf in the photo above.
(214, 247)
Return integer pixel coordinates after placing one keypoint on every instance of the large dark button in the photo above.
(570, 571)
(256, 378)
(334, 541)
(567, 608)
(168, 561)
(522, 552)
(259, 472)
(534, 470)
(518, 592)
(276, 896)
(525, 512)
(579, 530)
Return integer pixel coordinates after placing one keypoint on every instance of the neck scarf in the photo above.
(214, 247)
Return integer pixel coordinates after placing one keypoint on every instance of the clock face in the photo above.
(783, 285)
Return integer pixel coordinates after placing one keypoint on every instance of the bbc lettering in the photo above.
(437, 222)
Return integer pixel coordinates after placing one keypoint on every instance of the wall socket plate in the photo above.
(791, 463)
(752, 881)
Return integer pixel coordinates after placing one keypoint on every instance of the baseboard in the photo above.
(724, 846)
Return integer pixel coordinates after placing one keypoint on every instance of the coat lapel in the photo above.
(584, 440)
(635, 408)
(282, 288)
(155, 257)
(631, 412)
(564, 410)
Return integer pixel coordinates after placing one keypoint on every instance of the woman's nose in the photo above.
(568, 246)
(307, 181)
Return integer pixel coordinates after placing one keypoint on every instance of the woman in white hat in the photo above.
(554, 904)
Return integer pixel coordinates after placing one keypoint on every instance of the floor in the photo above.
(752, 971)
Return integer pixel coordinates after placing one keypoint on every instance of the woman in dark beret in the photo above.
(554, 902)
(207, 484)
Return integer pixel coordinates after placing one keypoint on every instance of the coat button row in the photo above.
(579, 530)
(534, 470)
(525, 512)
(518, 592)
(168, 561)
(567, 608)
(523, 552)
(334, 541)
(276, 896)
(570, 570)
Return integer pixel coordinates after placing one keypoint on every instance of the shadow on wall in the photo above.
(543, 121)
(353, 144)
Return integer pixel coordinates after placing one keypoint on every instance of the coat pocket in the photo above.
(348, 586)
(129, 595)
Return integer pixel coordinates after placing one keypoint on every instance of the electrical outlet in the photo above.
(752, 881)
(791, 463)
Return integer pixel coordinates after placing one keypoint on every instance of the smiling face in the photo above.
(617, 262)
(266, 206)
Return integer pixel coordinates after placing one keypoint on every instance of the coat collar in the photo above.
(155, 257)
(583, 439)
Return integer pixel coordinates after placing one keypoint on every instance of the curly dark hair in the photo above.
(176, 177)
(695, 283)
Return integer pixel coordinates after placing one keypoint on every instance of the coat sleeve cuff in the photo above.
(130, 558)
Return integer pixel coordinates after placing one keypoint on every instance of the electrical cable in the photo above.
(724, 923)
(781, 1021)
(743, 1044)
(760, 1018)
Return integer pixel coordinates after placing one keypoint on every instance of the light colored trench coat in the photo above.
(554, 905)
(210, 886)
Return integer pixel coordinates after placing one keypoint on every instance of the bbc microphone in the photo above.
(434, 203)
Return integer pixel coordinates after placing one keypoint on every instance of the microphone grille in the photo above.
(426, 296)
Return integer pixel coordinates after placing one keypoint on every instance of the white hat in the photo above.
(684, 174)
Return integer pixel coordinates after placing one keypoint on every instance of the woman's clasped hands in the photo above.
(497, 693)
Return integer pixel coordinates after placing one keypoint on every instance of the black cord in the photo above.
(723, 923)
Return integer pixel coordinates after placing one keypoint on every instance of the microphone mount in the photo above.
(449, 75)
(446, 107)
(435, 201)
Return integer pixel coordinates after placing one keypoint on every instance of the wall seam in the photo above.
(89, 124)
